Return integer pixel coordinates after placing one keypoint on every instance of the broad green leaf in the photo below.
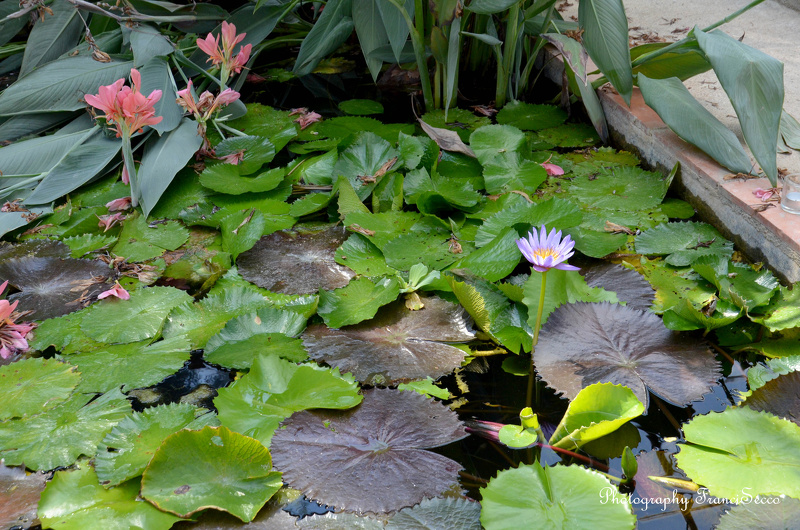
(620, 188)
(371, 33)
(692, 122)
(318, 170)
(605, 37)
(142, 317)
(64, 334)
(759, 374)
(156, 75)
(257, 151)
(426, 387)
(274, 389)
(129, 366)
(51, 36)
(12, 220)
(530, 117)
(683, 62)
(363, 158)
(147, 42)
(562, 287)
(193, 470)
(60, 435)
(81, 245)
(75, 500)
(14, 128)
(361, 107)
(139, 242)
(490, 7)
(522, 215)
(790, 130)
(361, 255)
(125, 451)
(481, 300)
(495, 260)
(31, 386)
(753, 81)
(599, 409)
(40, 155)
(397, 29)
(570, 135)
(683, 242)
(349, 202)
(761, 512)
(60, 85)
(430, 249)
(241, 230)
(9, 27)
(741, 449)
(673, 288)
(359, 300)
(332, 28)
(162, 160)
(738, 283)
(490, 141)
(555, 497)
(460, 121)
(783, 312)
(517, 437)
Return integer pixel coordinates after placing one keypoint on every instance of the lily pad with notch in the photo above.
(630, 286)
(398, 345)
(617, 344)
(620, 188)
(779, 396)
(531, 117)
(683, 242)
(358, 461)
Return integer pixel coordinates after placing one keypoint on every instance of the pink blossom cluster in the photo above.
(222, 56)
(12, 334)
(126, 107)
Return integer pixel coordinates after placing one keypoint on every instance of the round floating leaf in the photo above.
(227, 178)
(20, 494)
(780, 396)
(530, 117)
(742, 450)
(397, 345)
(684, 242)
(86, 243)
(617, 344)
(142, 317)
(620, 188)
(570, 135)
(60, 435)
(554, 497)
(371, 458)
(74, 500)
(298, 261)
(257, 151)
(762, 512)
(31, 386)
(361, 255)
(125, 452)
(211, 468)
(339, 521)
(140, 242)
(365, 156)
(40, 248)
(359, 300)
(51, 286)
(630, 286)
(274, 389)
(361, 107)
(783, 312)
(438, 513)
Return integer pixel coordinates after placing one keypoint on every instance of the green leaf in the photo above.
(64, 333)
(81, 245)
(359, 300)
(361, 107)
(783, 312)
(258, 150)
(762, 512)
(51, 36)
(605, 37)
(241, 230)
(60, 435)
(156, 75)
(530, 117)
(147, 43)
(620, 188)
(139, 242)
(684, 243)
(162, 160)
(430, 249)
(742, 450)
(682, 62)
(738, 283)
(495, 260)
(125, 451)
(754, 83)
(59, 85)
(74, 500)
(361, 255)
(598, 409)
(562, 287)
(371, 34)
(490, 141)
(31, 386)
(426, 387)
(363, 158)
(274, 389)
(490, 7)
(142, 317)
(522, 215)
(130, 366)
(397, 29)
(691, 121)
(193, 470)
(555, 497)
(332, 28)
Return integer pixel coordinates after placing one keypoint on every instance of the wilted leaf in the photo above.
(358, 461)
(447, 140)
(617, 344)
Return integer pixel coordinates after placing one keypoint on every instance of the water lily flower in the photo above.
(222, 56)
(12, 333)
(546, 252)
(118, 205)
(118, 291)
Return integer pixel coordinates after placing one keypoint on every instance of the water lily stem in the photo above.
(539, 310)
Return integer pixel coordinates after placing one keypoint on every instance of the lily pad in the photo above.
(274, 389)
(365, 156)
(358, 461)
(125, 452)
(360, 107)
(64, 334)
(298, 261)
(398, 345)
(683, 242)
(741, 450)
(442, 513)
(39, 248)
(762, 512)
(530, 117)
(257, 151)
(20, 493)
(630, 286)
(359, 300)
(75, 500)
(60, 435)
(81, 245)
(620, 188)
(193, 470)
(227, 178)
(31, 386)
(780, 396)
(555, 497)
(617, 344)
(52, 287)
(361, 255)
(783, 312)
(570, 135)
(138, 241)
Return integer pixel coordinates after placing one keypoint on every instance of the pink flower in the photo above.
(305, 117)
(766, 195)
(126, 178)
(222, 56)
(12, 334)
(107, 221)
(552, 169)
(233, 158)
(125, 107)
(118, 205)
(117, 291)
(546, 252)
(186, 99)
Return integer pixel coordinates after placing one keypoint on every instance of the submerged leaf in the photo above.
(617, 344)
(358, 461)
(461, 514)
(397, 345)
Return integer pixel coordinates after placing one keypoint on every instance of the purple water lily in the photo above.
(546, 252)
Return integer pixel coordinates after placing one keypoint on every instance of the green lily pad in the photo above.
(227, 178)
(258, 151)
(81, 245)
(759, 374)
(620, 188)
(674, 288)
(357, 461)
(60, 435)
(139, 242)
(193, 471)
(64, 334)
(783, 312)
(438, 513)
(737, 283)
(120, 321)
(363, 158)
(761, 512)
(742, 450)
(570, 135)
(530, 117)
(683, 243)
(360, 107)
(522, 215)
(363, 257)
(74, 500)
(359, 300)
(274, 389)
(263, 120)
(129, 366)
(125, 451)
(31, 386)
(241, 230)
(556, 497)
(495, 260)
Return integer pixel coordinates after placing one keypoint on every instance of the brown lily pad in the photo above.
(19, 496)
(630, 286)
(371, 458)
(397, 345)
(780, 396)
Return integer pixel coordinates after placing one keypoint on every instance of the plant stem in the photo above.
(231, 130)
(129, 164)
(509, 53)
(539, 310)
(417, 40)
